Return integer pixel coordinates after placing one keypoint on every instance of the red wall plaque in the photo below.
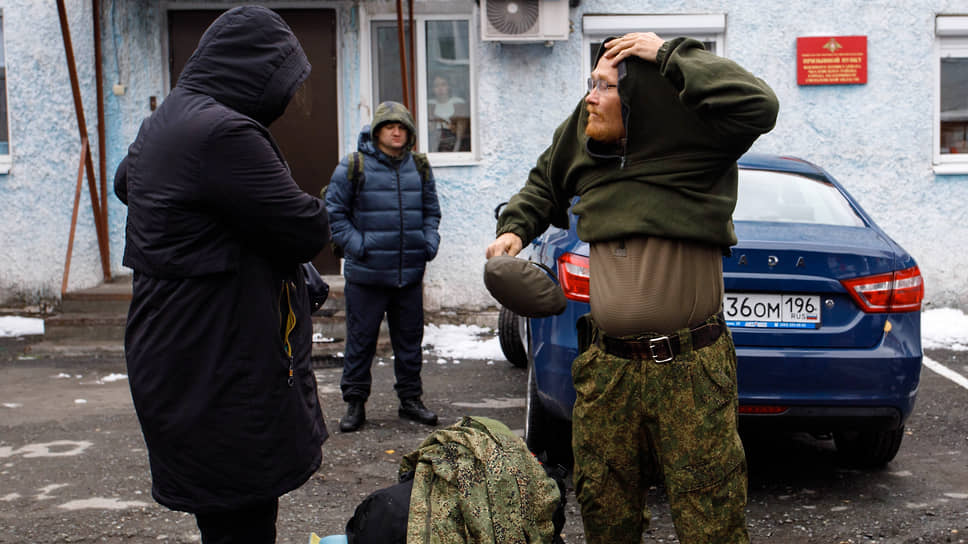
(832, 60)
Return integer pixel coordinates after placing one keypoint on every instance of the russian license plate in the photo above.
(759, 310)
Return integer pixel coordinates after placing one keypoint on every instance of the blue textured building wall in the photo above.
(133, 56)
(37, 195)
(875, 138)
(524, 93)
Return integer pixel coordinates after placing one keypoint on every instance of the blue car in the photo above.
(824, 309)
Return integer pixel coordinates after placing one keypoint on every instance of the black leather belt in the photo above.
(662, 349)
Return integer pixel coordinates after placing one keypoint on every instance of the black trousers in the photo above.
(253, 525)
(365, 307)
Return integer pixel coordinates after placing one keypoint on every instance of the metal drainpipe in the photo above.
(100, 225)
(101, 159)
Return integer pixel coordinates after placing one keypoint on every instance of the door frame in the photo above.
(167, 6)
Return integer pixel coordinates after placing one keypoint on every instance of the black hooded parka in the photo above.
(219, 334)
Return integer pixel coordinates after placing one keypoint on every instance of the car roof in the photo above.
(781, 163)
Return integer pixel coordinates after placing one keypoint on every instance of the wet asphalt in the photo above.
(73, 467)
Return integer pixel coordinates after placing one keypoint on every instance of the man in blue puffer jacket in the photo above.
(386, 222)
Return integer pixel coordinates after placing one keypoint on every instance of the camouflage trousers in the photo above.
(635, 421)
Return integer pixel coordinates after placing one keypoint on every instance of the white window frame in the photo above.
(6, 160)
(951, 40)
(707, 27)
(420, 41)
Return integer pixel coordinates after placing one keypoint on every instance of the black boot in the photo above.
(355, 416)
(415, 410)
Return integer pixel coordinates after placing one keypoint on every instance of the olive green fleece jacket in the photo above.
(688, 117)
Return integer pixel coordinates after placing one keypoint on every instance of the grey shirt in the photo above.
(652, 284)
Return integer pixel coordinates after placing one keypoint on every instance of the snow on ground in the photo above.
(944, 328)
(463, 341)
(11, 325)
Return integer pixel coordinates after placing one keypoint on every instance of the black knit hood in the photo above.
(657, 131)
(249, 60)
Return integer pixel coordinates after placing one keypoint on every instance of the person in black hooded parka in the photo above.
(219, 334)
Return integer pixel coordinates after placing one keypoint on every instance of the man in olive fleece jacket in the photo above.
(651, 150)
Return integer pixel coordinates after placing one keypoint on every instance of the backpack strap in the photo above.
(354, 171)
(423, 166)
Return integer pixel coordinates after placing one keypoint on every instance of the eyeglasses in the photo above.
(599, 84)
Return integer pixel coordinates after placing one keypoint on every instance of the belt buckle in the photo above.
(653, 342)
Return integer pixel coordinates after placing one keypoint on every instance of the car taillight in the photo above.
(900, 291)
(573, 276)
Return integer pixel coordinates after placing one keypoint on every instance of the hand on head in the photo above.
(644, 45)
(505, 244)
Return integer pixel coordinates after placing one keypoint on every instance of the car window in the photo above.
(766, 195)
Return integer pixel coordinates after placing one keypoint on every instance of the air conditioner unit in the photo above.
(524, 20)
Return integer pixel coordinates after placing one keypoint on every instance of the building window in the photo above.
(951, 140)
(445, 111)
(4, 125)
(707, 28)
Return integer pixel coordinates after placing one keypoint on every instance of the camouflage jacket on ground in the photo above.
(476, 482)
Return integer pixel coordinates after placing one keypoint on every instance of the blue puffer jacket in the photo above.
(388, 231)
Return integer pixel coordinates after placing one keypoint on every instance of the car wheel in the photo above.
(509, 328)
(546, 436)
(870, 449)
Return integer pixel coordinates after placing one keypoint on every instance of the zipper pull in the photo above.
(290, 325)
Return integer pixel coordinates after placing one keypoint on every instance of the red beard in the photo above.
(603, 129)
